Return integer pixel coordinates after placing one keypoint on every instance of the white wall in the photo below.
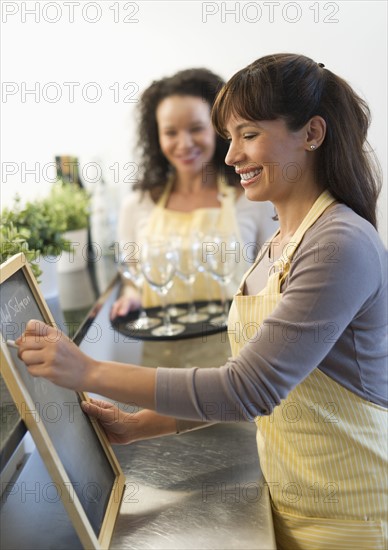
(86, 42)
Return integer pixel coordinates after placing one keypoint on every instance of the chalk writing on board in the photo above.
(17, 306)
(14, 306)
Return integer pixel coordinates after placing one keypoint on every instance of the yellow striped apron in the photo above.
(323, 449)
(164, 222)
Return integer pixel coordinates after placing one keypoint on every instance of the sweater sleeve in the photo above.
(325, 291)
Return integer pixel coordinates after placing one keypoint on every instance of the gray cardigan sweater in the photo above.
(336, 297)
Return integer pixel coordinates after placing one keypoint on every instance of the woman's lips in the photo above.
(249, 177)
(187, 159)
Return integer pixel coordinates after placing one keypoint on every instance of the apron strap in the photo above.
(280, 268)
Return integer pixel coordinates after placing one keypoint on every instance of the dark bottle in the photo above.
(68, 170)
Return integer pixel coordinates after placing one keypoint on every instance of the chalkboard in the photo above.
(75, 450)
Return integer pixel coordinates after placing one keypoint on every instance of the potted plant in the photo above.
(72, 205)
(45, 224)
(14, 240)
(42, 227)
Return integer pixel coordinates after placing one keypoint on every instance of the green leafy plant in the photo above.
(14, 240)
(71, 203)
(42, 222)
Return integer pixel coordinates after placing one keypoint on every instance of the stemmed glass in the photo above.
(187, 271)
(131, 270)
(222, 258)
(199, 254)
(159, 263)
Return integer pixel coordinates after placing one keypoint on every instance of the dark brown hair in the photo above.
(295, 88)
(154, 167)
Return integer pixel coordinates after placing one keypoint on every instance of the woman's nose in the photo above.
(233, 156)
(185, 140)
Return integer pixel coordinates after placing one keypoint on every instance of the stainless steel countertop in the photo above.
(200, 490)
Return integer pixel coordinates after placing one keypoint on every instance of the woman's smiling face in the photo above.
(186, 135)
(270, 159)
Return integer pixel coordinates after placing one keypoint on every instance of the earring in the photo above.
(313, 147)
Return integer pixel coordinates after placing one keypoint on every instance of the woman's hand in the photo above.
(122, 428)
(49, 353)
(129, 301)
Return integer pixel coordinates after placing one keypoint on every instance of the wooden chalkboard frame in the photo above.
(43, 442)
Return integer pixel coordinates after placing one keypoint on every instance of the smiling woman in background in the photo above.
(185, 187)
(312, 371)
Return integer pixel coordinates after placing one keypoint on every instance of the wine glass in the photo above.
(159, 262)
(199, 254)
(187, 271)
(173, 308)
(222, 258)
(131, 270)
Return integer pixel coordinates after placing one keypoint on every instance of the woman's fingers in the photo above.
(108, 416)
(106, 412)
(31, 357)
(42, 330)
(121, 307)
(92, 410)
(100, 403)
(37, 335)
(127, 302)
(50, 353)
(96, 410)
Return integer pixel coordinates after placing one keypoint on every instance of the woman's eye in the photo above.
(249, 136)
(197, 129)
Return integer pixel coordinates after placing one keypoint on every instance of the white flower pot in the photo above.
(77, 258)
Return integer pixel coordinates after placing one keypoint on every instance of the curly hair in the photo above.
(295, 88)
(154, 168)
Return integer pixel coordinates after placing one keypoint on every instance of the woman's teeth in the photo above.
(249, 175)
